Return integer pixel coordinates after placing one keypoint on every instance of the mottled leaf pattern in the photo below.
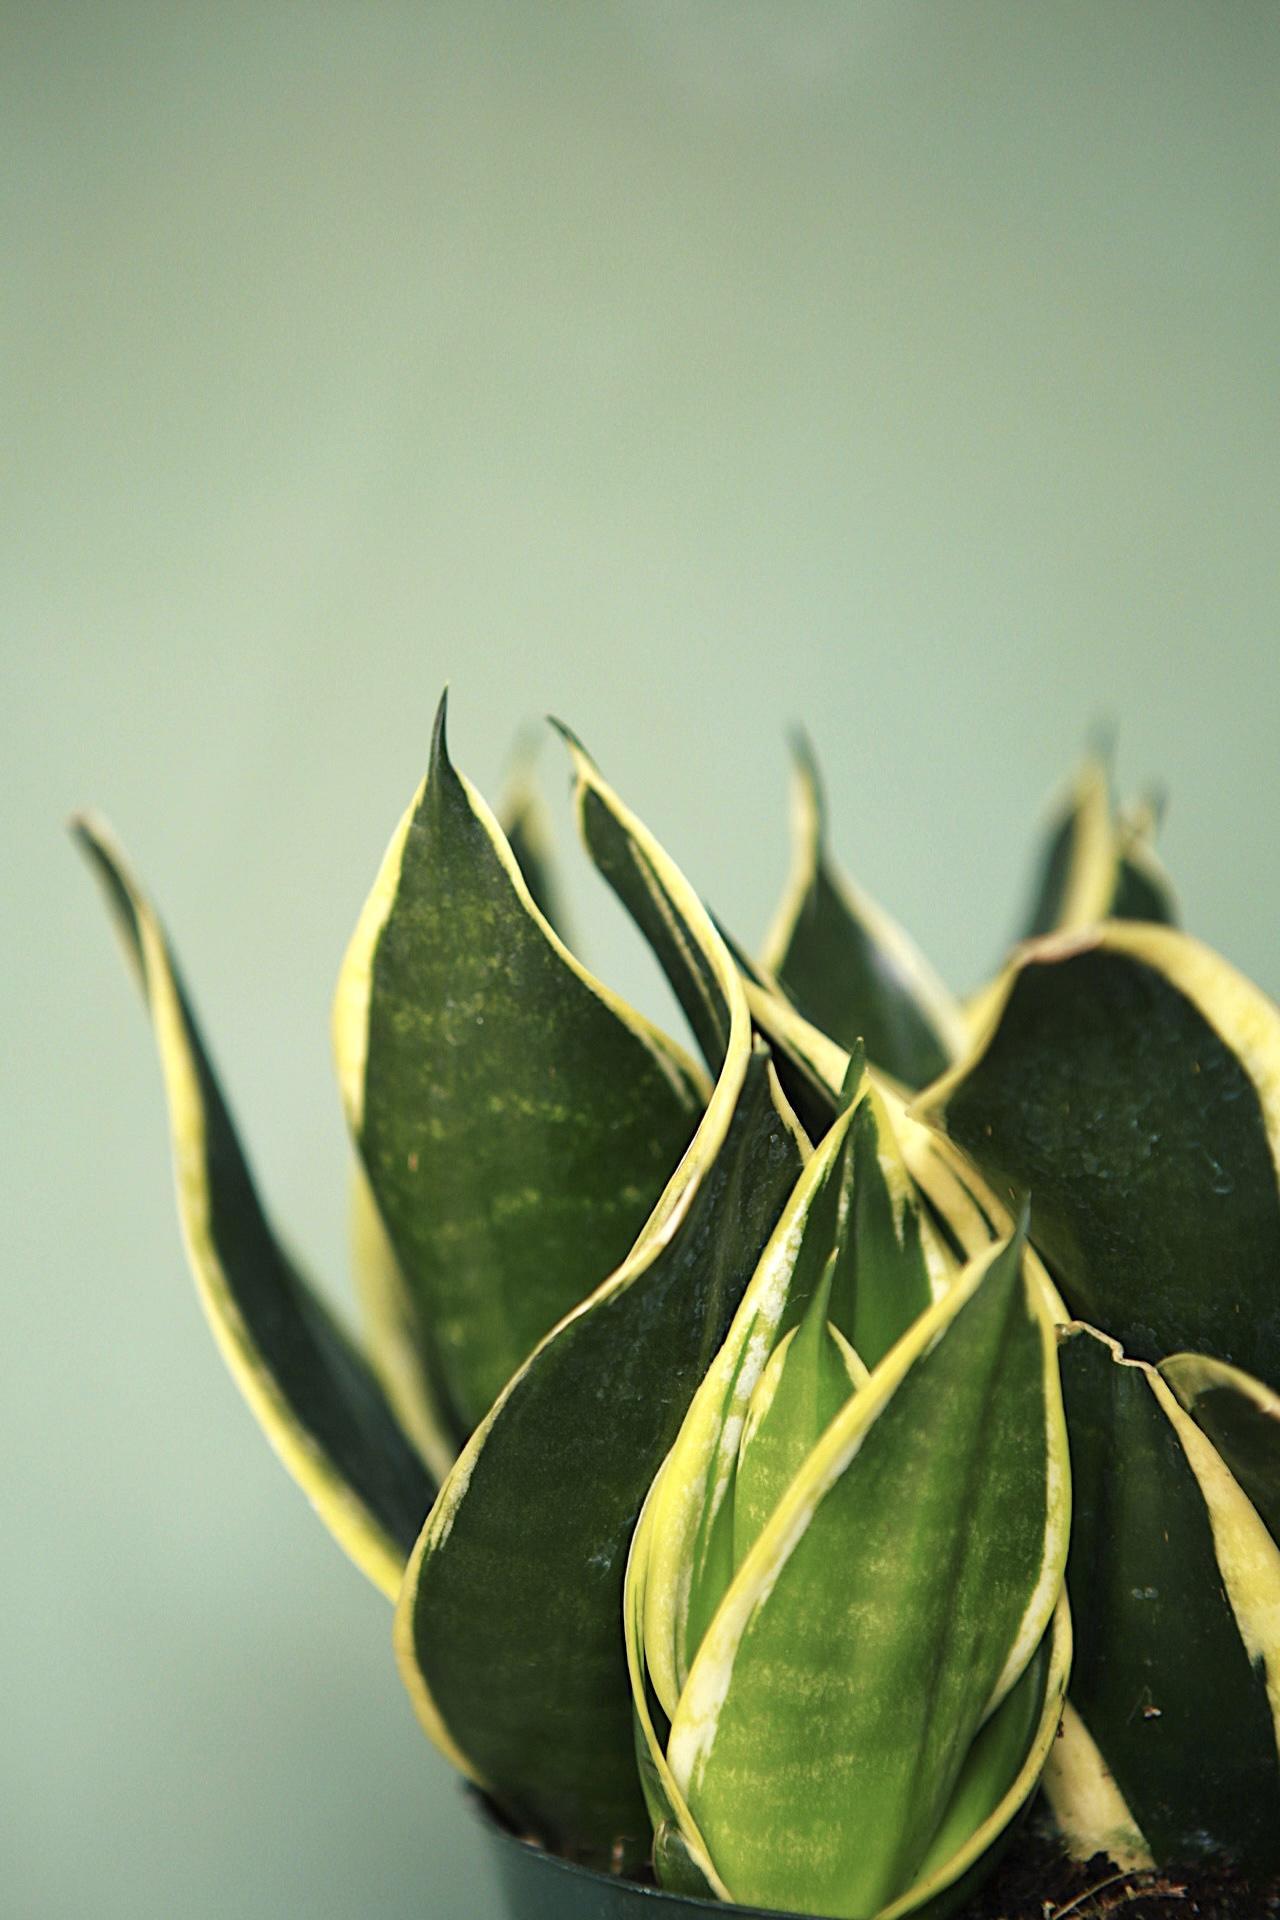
(884, 1585)
(534, 1523)
(517, 1122)
(1130, 1081)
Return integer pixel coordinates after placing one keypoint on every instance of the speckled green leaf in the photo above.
(516, 1120)
(1241, 1416)
(907, 1578)
(690, 1561)
(889, 1263)
(1174, 1586)
(1000, 1772)
(509, 1629)
(810, 1375)
(848, 967)
(1131, 1082)
(314, 1394)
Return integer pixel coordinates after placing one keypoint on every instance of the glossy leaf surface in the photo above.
(516, 1120)
(1174, 1587)
(1131, 1083)
(810, 1375)
(315, 1396)
(388, 1327)
(510, 1626)
(904, 1582)
(890, 1264)
(690, 1560)
(509, 1631)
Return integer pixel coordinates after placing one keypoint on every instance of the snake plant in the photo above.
(785, 1460)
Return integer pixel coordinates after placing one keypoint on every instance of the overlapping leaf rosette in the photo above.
(785, 1463)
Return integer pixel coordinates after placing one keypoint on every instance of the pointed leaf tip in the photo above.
(439, 734)
(804, 759)
(581, 758)
(853, 1072)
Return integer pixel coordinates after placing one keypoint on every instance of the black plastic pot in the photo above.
(540, 1886)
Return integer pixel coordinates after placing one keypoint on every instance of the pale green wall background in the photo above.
(686, 369)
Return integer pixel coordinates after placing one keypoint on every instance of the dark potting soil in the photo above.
(1034, 1882)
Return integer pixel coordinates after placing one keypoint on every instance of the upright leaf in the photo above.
(523, 819)
(906, 1580)
(516, 1120)
(313, 1393)
(847, 966)
(1097, 866)
(810, 1066)
(1175, 1595)
(1130, 1080)
(509, 1628)
(1076, 881)
(809, 1377)
(1001, 1771)
(890, 1265)
(690, 1560)
(389, 1328)
(1241, 1416)
(624, 859)
(1143, 889)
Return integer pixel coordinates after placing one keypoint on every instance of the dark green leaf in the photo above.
(523, 819)
(314, 1394)
(510, 1628)
(1131, 1083)
(1175, 1597)
(517, 1121)
(847, 967)
(1241, 1416)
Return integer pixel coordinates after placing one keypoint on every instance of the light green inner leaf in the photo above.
(891, 1603)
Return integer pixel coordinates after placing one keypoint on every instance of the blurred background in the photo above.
(685, 370)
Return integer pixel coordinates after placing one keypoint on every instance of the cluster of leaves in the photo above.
(765, 1487)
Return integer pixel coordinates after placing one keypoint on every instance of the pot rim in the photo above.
(491, 1820)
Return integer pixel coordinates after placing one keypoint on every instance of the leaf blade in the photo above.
(517, 1121)
(313, 1394)
(772, 1796)
(1175, 1594)
(543, 1717)
(847, 966)
(1130, 1078)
